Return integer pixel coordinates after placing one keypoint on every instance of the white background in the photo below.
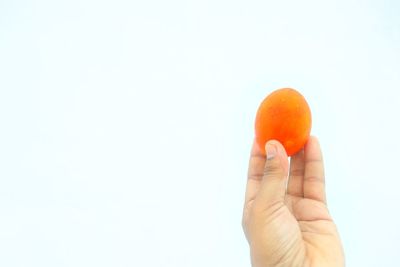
(125, 126)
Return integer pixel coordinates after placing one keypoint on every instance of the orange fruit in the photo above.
(284, 115)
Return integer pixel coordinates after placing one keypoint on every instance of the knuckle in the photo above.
(313, 179)
(272, 169)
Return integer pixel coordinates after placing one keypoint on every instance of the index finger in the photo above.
(255, 172)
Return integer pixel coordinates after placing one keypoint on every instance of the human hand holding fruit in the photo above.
(285, 217)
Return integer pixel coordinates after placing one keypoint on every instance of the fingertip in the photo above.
(313, 139)
(312, 150)
(312, 144)
(270, 150)
(276, 149)
(256, 149)
(314, 178)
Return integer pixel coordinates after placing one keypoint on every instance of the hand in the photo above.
(289, 225)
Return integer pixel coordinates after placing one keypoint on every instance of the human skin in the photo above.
(289, 226)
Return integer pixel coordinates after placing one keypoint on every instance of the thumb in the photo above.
(273, 186)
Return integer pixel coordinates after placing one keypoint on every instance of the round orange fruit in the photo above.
(285, 116)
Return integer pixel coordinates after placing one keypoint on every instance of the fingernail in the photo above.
(271, 151)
